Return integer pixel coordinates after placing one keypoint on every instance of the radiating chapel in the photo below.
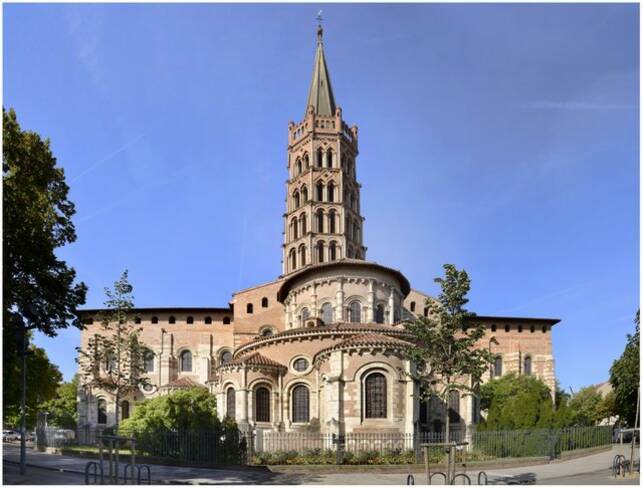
(322, 347)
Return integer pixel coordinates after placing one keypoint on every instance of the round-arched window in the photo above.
(379, 314)
(267, 332)
(230, 403)
(186, 361)
(300, 364)
(527, 365)
(300, 404)
(355, 312)
(262, 404)
(375, 396)
(327, 313)
(226, 357)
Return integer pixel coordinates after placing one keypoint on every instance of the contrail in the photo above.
(106, 158)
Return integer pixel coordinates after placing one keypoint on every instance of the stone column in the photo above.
(243, 411)
(334, 394)
(313, 297)
(280, 425)
(412, 401)
(370, 311)
(391, 306)
(339, 302)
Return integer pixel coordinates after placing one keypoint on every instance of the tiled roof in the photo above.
(372, 340)
(183, 382)
(366, 340)
(346, 328)
(255, 359)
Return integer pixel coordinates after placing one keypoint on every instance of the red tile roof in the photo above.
(255, 359)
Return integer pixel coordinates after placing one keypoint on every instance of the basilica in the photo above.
(322, 347)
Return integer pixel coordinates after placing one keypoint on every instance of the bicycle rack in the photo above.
(139, 468)
(97, 468)
(444, 475)
(486, 478)
(463, 476)
(410, 480)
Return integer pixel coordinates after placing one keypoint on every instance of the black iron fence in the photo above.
(230, 446)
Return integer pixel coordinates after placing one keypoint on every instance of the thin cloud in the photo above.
(572, 105)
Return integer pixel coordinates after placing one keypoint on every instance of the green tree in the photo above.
(624, 377)
(584, 406)
(39, 289)
(114, 359)
(62, 409)
(190, 409)
(518, 402)
(43, 379)
(444, 350)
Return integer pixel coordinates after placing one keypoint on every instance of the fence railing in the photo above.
(230, 446)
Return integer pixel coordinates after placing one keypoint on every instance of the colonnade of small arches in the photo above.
(323, 158)
(322, 252)
(354, 312)
(323, 193)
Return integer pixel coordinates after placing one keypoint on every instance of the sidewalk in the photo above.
(183, 475)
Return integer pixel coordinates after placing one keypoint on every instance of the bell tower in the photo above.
(322, 222)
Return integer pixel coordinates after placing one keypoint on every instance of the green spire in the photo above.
(320, 95)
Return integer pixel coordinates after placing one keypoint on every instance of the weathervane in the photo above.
(320, 30)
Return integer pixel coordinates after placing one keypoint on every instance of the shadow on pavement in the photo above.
(517, 479)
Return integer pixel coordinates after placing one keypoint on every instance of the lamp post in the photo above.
(29, 316)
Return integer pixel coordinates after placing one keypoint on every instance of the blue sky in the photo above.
(501, 138)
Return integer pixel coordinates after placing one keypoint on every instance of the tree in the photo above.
(62, 409)
(584, 406)
(43, 379)
(39, 290)
(114, 360)
(624, 377)
(517, 402)
(190, 409)
(606, 409)
(444, 349)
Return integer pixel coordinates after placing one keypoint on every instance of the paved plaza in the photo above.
(55, 469)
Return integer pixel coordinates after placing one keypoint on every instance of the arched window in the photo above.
(124, 410)
(267, 332)
(527, 366)
(149, 361)
(295, 199)
(303, 223)
(329, 158)
(304, 194)
(379, 314)
(375, 396)
(264, 302)
(355, 311)
(320, 221)
(331, 221)
(319, 192)
(171, 320)
(454, 407)
(332, 251)
(226, 320)
(186, 361)
(294, 228)
(226, 357)
(320, 157)
(497, 367)
(230, 400)
(190, 320)
(305, 315)
(330, 191)
(412, 306)
(306, 161)
(101, 407)
(155, 320)
(320, 252)
(208, 320)
(249, 308)
(262, 404)
(298, 165)
(356, 232)
(300, 404)
(293, 259)
(302, 255)
(327, 313)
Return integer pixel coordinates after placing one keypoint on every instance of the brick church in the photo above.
(322, 347)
